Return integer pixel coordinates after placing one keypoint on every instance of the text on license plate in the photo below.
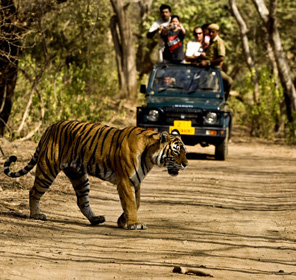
(184, 127)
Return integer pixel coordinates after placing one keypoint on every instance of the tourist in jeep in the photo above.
(173, 37)
(158, 26)
(195, 48)
(215, 55)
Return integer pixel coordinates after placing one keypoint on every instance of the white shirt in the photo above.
(155, 26)
(193, 49)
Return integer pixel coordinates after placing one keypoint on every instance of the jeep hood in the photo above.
(184, 102)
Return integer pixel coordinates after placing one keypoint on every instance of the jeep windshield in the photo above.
(185, 78)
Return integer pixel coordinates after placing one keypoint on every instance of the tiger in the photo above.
(123, 157)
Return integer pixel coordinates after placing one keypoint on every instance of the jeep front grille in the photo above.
(193, 115)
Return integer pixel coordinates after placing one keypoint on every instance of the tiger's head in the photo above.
(171, 153)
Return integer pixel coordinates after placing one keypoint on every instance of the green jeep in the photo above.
(189, 99)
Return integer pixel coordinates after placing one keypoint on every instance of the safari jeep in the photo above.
(189, 99)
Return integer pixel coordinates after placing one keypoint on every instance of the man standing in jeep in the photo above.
(158, 26)
(215, 55)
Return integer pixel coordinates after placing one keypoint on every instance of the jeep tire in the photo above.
(221, 149)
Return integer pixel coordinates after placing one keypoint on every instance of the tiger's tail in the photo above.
(24, 170)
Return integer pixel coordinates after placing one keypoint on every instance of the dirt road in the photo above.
(233, 219)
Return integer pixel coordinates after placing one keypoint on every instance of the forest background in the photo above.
(70, 59)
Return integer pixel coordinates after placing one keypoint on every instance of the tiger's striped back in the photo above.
(97, 149)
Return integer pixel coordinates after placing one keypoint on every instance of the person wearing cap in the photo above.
(216, 51)
(158, 26)
(215, 55)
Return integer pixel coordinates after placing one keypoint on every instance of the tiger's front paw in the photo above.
(136, 227)
(39, 216)
(97, 220)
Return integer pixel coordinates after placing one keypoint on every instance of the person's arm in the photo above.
(217, 61)
(182, 28)
(151, 34)
(213, 62)
(165, 30)
(191, 58)
(155, 28)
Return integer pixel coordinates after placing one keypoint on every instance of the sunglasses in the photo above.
(197, 33)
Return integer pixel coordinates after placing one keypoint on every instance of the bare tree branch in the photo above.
(262, 10)
(29, 135)
(249, 60)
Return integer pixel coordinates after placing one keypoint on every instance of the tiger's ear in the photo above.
(175, 132)
(164, 137)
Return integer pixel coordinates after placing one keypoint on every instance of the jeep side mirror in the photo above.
(143, 89)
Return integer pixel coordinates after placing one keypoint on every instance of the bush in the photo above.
(64, 93)
(265, 118)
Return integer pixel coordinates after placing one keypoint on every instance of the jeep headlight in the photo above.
(153, 115)
(211, 118)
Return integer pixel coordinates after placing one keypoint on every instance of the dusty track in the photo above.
(232, 219)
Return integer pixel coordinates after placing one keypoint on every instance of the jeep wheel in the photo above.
(221, 149)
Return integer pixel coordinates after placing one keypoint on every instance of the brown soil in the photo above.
(233, 219)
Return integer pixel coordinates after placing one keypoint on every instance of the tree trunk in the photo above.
(122, 35)
(147, 51)
(272, 60)
(270, 21)
(13, 26)
(9, 51)
(245, 43)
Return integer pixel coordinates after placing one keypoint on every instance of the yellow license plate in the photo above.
(184, 127)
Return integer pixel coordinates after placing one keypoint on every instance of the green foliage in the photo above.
(68, 61)
(64, 96)
(291, 131)
(70, 68)
(264, 118)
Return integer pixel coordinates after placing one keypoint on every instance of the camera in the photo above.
(174, 26)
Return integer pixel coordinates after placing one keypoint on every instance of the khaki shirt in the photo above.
(216, 49)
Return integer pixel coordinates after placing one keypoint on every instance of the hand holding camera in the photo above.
(174, 26)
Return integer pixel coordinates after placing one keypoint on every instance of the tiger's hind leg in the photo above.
(42, 183)
(80, 183)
